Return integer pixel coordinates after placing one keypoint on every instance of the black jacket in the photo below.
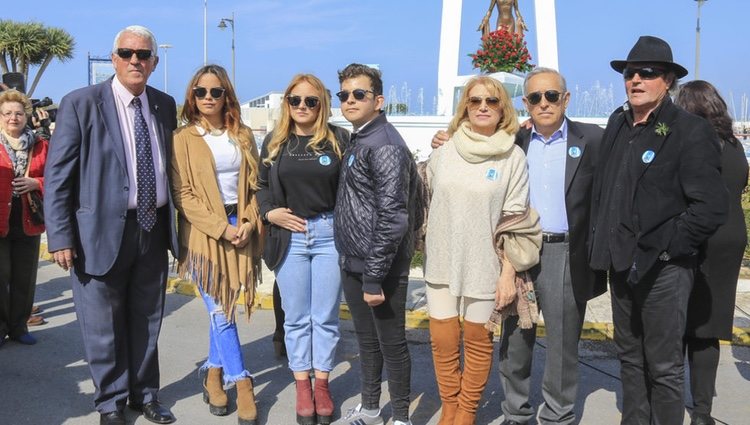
(377, 206)
(271, 196)
(579, 175)
(679, 198)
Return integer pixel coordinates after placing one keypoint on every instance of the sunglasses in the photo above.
(141, 54)
(358, 94)
(552, 96)
(295, 101)
(491, 101)
(216, 92)
(646, 72)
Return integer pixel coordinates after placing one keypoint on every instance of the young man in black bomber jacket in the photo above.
(377, 212)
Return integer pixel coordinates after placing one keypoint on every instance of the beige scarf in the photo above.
(474, 147)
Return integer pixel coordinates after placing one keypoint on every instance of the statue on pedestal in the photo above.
(509, 18)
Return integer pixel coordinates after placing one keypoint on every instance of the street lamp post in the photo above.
(165, 47)
(223, 25)
(698, 40)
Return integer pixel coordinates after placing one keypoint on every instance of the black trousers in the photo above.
(19, 258)
(703, 357)
(649, 319)
(382, 339)
(120, 315)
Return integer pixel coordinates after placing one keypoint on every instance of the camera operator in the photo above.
(40, 123)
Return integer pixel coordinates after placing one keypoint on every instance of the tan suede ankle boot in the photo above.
(247, 413)
(213, 392)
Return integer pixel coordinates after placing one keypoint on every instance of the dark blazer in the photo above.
(271, 196)
(86, 177)
(679, 198)
(579, 174)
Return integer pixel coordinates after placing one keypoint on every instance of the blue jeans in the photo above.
(224, 349)
(309, 279)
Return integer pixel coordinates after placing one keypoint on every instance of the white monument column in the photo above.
(450, 36)
(546, 33)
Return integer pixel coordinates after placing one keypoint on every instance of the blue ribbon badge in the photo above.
(648, 156)
(351, 160)
(324, 160)
(492, 174)
(574, 151)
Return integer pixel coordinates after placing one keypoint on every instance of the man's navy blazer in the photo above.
(86, 177)
(579, 175)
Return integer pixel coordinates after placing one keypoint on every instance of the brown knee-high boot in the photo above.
(213, 392)
(478, 347)
(445, 336)
(247, 413)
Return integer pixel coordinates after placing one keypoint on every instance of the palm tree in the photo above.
(26, 44)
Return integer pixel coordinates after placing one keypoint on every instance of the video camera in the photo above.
(15, 80)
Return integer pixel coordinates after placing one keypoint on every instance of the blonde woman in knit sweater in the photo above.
(214, 178)
(477, 180)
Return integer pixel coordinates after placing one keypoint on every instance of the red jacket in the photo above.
(36, 170)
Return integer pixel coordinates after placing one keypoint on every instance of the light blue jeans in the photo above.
(224, 349)
(309, 279)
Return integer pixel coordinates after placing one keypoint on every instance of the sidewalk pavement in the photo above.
(49, 383)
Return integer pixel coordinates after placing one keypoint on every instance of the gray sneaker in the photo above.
(355, 416)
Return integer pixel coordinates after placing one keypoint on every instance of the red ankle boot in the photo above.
(305, 408)
(323, 402)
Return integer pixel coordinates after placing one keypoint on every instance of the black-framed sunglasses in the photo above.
(358, 94)
(216, 92)
(552, 96)
(646, 72)
(491, 101)
(310, 101)
(141, 54)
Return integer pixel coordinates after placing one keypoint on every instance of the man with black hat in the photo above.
(657, 196)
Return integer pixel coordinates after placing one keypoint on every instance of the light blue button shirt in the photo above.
(546, 158)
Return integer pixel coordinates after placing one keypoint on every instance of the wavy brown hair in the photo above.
(508, 116)
(322, 135)
(701, 98)
(239, 133)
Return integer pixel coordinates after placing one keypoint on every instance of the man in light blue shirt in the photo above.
(561, 156)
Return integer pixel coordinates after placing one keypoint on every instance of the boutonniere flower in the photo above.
(662, 129)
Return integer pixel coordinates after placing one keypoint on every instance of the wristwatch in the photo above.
(664, 256)
(264, 219)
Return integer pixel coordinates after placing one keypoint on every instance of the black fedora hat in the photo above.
(650, 49)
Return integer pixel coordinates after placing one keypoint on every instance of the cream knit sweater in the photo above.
(474, 180)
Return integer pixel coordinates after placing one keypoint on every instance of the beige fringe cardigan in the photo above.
(222, 270)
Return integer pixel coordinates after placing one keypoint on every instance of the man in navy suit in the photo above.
(109, 217)
(561, 155)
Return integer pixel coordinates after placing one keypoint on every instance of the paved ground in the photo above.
(49, 383)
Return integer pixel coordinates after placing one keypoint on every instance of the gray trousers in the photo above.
(563, 318)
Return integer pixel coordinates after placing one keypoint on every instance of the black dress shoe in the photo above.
(699, 419)
(112, 418)
(154, 412)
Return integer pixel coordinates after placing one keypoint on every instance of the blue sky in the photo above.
(276, 39)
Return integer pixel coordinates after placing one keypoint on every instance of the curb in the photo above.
(417, 319)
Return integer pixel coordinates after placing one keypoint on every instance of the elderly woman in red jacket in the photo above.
(22, 159)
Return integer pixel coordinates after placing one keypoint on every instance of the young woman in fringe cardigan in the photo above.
(214, 175)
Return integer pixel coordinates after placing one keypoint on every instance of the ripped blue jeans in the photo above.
(224, 349)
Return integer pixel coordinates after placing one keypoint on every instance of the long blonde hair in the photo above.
(322, 133)
(238, 132)
(508, 116)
